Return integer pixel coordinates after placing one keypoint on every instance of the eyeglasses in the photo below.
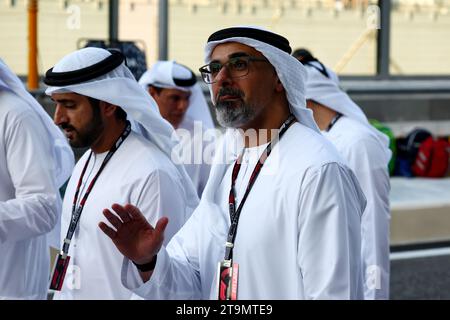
(237, 67)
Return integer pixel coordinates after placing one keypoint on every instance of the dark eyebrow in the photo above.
(63, 101)
(176, 94)
(233, 55)
(238, 54)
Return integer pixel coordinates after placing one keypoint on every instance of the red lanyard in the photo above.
(76, 212)
(235, 214)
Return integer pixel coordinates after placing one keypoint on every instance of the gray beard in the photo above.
(229, 116)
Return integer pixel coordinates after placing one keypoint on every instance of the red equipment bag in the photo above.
(432, 158)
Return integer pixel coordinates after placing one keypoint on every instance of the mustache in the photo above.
(229, 92)
(66, 126)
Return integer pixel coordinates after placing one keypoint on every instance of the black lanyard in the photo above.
(235, 214)
(76, 212)
(333, 122)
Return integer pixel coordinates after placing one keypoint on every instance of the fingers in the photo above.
(161, 225)
(134, 212)
(107, 230)
(112, 218)
(130, 212)
(123, 214)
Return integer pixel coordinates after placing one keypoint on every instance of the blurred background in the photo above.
(393, 58)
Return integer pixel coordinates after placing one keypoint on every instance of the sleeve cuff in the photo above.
(132, 280)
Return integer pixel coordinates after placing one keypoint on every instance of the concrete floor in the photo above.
(420, 278)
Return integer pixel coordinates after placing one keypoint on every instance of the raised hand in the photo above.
(134, 237)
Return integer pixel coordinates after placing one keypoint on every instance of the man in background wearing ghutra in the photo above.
(367, 152)
(181, 102)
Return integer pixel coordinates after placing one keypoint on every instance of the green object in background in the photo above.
(392, 142)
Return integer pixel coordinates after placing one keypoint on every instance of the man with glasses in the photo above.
(279, 217)
(367, 151)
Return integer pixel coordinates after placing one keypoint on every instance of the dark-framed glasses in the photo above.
(237, 67)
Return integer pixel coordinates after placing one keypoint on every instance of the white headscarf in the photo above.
(62, 153)
(327, 92)
(161, 75)
(291, 72)
(292, 75)
(120, 88)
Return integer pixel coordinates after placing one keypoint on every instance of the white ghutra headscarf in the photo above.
(119, 87)
(292, 75)
(326, 91)
(62, 153)
(172, 75)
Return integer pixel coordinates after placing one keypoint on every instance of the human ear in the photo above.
(151, 91)
(107, 108)
(279, 86)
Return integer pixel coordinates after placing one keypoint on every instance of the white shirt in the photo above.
(364, 154)
(196, 148)
(298, 235)
(29, 201)
(138, 173)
